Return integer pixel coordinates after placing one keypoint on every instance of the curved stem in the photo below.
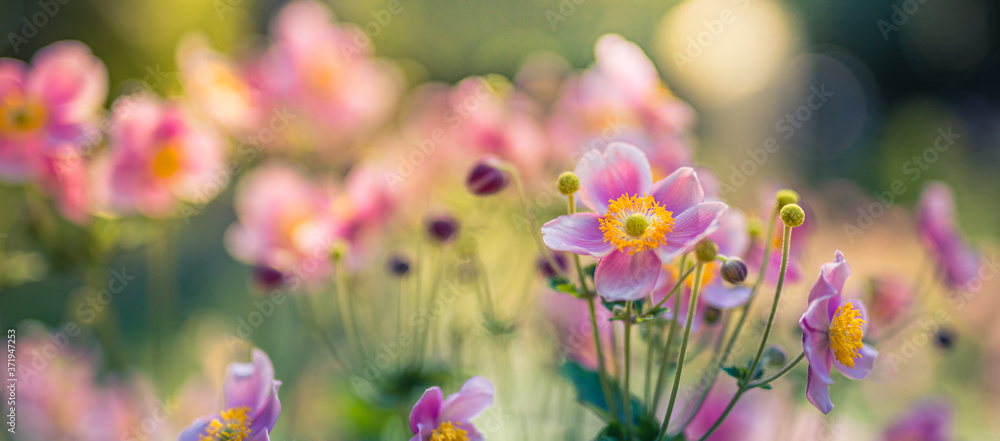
(783, 371)
(692, 306)
(786, 239)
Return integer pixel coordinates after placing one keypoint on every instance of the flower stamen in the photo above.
(449, 431)
(636, 223)
(846, 334)
(232, 425)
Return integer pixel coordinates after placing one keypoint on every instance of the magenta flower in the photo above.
(832, 334)
(937, 227)
(637, 225)
(160, 155)
(52, 103)
(438, 418)
(927, 421)
(251, 405)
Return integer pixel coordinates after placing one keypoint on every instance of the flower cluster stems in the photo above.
(692, 306)
(665, 356)
(626, 399)
(745, 383)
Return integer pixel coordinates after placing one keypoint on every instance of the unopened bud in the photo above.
(734, 271)
(546, 268)
(443, 227)
(775, 356)
(487, 177)
(398, 265)
(712, 315)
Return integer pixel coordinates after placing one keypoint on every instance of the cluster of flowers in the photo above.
(320, 122)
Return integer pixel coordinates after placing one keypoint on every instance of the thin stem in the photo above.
(692, 306)
(628, 370)
(785, 242)
(788, 367)
(665, 357)
(651, 344)
(708, 380)
(608, 396)
(535, 229)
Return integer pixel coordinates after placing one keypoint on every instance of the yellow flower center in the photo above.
(19, 116)
(233, 425)
(167, 161)
(449, 432)
(636, 223)
(845, 334)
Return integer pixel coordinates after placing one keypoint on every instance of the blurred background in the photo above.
(891, 77)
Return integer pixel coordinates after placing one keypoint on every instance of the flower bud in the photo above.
(398, 265)
(546, 269)
(487, 177)
(568, 183)
(754, 228)
(945, 338)
(712, 315)
(268, 278)
(775, 356)
(706, 251)
(785, 197)
(442, 228)
(734, 271)
(793, 215)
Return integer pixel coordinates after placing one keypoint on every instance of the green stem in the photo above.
(672, 291)
(665, 357)
(628, 370)
(708, 380)
(608, 396)
(692, 306)
(536, 231)
(783, 371)
(785, 242)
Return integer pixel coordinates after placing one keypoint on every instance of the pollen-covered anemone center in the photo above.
(449, 431)
(846, 334)
(167, 161)
(232, 425)
(636, 223)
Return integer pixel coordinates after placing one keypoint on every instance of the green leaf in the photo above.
(555, 282)
(567, 288)
(588, 388)
(737, 372)
(590, 269)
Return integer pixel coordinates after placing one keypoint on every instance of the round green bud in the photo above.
(712, 315)
(786, 197)
(568, 183)
(775, 356)
(706, 251)
(793, 215)
(636, 224)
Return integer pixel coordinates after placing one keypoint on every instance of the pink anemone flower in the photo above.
(251, 405)
(436, 417)
(637, 225)
(832, 334)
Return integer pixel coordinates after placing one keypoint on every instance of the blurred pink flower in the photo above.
(742, 423)
(621, 98)
(48, 105)
(158, 155)
(64, 175)
(930, 420)
(938, 229)
(218, 86)
(832, 334)
(891, 299)
(326, 73)
(571, 317)
(363, 210)
(637, 225)
(284, 221)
